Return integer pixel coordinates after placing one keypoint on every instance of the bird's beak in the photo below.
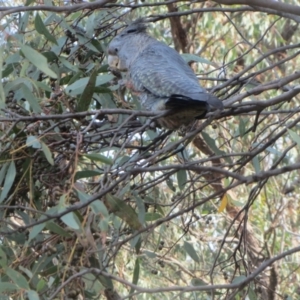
(113, 61)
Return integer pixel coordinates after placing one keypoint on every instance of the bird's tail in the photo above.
(188, 106)
(179, 101)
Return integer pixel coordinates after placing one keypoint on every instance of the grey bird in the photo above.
(160, 77)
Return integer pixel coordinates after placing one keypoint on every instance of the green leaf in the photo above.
(57, 229)
(32, 141)
(87, 95)
(170, 184)
(99, 157)
(136, 274)
(50, 55)
(28, 2)
(121, 160)
(181, 179)
(123, 211)
(32, 295)
(212, 145)
(74, 78)
(42, 29)
(71, 220)
(38, 60)
(191, 251)
(152, 216)
(141, 208)
(26, 271)
(151, 134)
(87, 174)
(103, 225)
(238, 279)
(295, 137)
(17, 278)
(2, 93)
(7, 287)
(78, 86)
(198, 281)
(41, 284)
(24, 21)
(43, 86)
(36, 229)
(90, 24)
(138, 245)
(252, 294)
(149, 254)
(24, 69)
(47, 153)
(9, 68)
(85, 41)
(242, 127)
(256, 164)
(134, 242)
(9, 180)
(29, 96)
(3, 258)
(97, 45)
(3, 172)
(98, 207)
(68, 65)
(273, 151)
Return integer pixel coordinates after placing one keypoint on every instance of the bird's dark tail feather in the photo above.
(189, 106)
(182, 102)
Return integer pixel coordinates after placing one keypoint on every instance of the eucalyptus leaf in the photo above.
(47, 153)
(38, 60)
(71, 220)
(99, 157)
(3, 258)
(78, 86)
(42, 29)
(17, 278)
(32, 295)
(181, 179)
(123, 211)
(33, 141)
(54, 227)
(87, 174)
(8, 287)
(295, 137)
(256, 164)
(36, 229)
(238, 279)
(191, 251)
(136, 274)
(9, 180)
(152, 216)
(87, 95)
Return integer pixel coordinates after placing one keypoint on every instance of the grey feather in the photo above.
(160, 76)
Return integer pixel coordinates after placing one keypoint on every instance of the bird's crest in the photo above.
(137, 26)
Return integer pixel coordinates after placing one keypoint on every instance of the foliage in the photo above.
(96, 200)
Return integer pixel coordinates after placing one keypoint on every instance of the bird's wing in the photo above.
(161, 71)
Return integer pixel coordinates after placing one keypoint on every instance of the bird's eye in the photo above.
(131, 31)
(116, 49)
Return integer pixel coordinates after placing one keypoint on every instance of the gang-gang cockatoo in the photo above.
(160, 77)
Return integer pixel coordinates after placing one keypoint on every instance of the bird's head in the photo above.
(124, 47)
